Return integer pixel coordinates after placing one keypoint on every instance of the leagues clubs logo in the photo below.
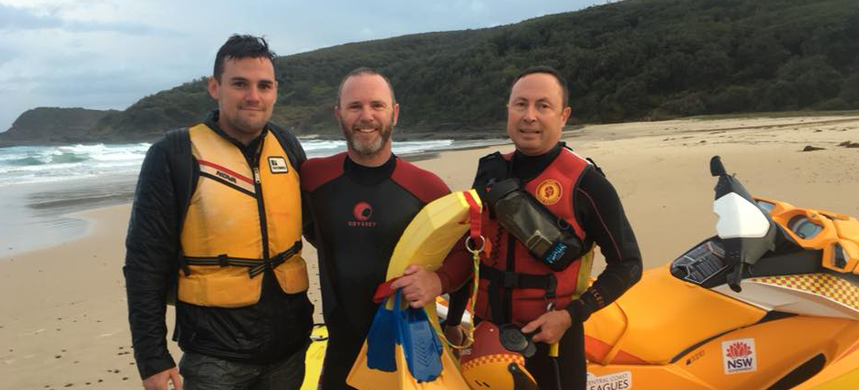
(739, 356)
(616, 381)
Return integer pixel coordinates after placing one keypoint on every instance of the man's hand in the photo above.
(552, 326)
(159, 380)
(420, 286)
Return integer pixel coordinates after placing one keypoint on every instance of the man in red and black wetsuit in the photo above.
(515, 286)
(360, 202)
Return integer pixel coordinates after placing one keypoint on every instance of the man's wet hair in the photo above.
(365, 70)
(239, 47)
(565, 94)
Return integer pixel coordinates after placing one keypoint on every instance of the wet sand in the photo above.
(63, 318)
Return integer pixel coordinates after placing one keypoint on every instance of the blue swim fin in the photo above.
(382, 338)
(421, 345)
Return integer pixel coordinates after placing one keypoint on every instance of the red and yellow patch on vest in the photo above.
(549, 192)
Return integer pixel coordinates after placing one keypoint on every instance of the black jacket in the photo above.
(277, 326)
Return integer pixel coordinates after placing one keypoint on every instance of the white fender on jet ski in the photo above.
(739, 218)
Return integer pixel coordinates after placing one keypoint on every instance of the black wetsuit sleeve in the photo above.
(456, 305)
(152, 247)
(599, 210)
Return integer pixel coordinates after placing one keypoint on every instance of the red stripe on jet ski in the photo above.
(596, 351)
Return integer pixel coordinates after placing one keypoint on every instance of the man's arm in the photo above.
(152, 246)
(599, 210)
(604, 221)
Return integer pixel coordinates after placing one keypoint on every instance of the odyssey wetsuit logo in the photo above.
(362, 213)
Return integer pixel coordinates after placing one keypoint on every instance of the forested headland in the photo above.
(630, 60)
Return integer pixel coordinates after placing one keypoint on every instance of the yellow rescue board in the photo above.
(432, 233)
(427, 240)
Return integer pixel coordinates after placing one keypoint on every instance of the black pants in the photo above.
(201, 372)
(571, 360)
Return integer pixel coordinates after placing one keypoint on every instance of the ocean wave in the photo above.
(68, 157)
(35, 164)
(38, 164)
(24, 161)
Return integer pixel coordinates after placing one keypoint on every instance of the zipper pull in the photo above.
(256, 175)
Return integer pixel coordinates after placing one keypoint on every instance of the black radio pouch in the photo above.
(548, 237)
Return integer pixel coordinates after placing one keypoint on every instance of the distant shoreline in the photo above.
(454, 131)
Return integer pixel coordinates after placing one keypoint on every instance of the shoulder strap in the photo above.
(290, 143)
(491, 169)
(590, 160)
(594, 164)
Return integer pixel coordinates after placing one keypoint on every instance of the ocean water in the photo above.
(41, 185)
(41, 164)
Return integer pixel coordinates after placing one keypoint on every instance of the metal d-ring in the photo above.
(469, 244)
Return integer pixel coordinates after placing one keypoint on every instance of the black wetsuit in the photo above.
(358, 215)
(600, 213)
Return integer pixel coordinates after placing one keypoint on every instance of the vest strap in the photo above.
(509, 280)
(255, 266)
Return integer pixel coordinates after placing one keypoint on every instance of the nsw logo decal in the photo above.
(278, 165)
(739, 356)
(617, 381)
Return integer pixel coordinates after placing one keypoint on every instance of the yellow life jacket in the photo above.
(240, 220)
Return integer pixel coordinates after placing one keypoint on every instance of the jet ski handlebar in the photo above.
(746, 230)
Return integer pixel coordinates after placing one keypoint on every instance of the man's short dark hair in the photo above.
(238, 47)
(565, 94)
(365, 70)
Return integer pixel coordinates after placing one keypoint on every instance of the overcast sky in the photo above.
(110, 53)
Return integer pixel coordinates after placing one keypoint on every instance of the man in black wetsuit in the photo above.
(361, 202)
(516, 286)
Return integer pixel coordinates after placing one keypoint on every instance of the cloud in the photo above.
(110, 53)
(16, 19)
(477, 6)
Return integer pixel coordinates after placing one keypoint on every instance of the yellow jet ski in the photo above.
(770, 302)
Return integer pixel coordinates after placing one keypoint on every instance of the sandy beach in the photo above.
(63, 316)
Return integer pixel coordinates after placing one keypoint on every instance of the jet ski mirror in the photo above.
(746, 230)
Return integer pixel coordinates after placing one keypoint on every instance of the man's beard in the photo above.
(363, 149)
(247, 126)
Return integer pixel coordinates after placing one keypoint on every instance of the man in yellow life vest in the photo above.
(217, 215)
